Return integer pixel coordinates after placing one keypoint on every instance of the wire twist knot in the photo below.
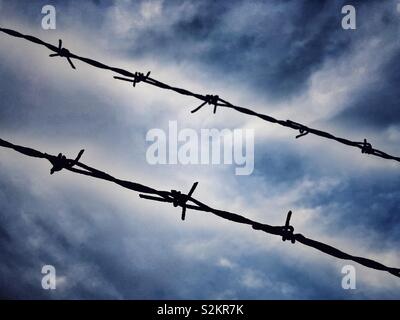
(287, 229)
(137, 77)
(302, 129)
(180, 199)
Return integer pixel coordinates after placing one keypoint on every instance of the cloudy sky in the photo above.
(289, 59)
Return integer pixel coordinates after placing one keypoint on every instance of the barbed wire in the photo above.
(187, 201)
(213, 100)
(177, 198)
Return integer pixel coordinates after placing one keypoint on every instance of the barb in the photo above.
(206, 99)
(181, 200)
(366, 147)
(298, 126)
(61, 162)
(175, 197)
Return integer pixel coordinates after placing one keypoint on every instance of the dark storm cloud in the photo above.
(366, 203)
(273, 46)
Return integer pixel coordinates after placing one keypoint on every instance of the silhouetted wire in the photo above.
(214, 100)
(179, 199)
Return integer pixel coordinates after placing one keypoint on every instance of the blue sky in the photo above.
(289, 59)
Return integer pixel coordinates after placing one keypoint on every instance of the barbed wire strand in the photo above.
(179, 199)
(214, 100)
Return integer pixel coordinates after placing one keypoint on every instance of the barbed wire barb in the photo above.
(206, 99)
(176, 197)
(181, 200)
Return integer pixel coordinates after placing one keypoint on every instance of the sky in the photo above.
(289, 59)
